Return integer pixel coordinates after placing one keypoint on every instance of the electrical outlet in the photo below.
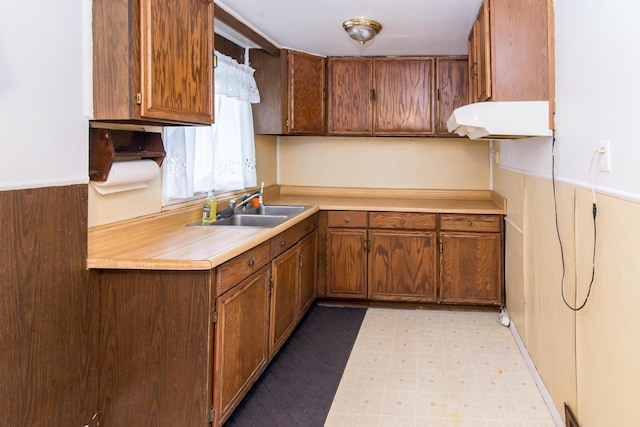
(605, 156)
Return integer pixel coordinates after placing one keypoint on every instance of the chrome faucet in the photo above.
(246, 198)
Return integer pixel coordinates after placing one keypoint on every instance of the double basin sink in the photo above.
(263, 216)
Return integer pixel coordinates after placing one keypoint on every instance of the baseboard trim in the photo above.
(546, 396)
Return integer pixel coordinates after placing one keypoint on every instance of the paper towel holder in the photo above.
(109, 145)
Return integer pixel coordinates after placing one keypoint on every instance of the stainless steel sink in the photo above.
(261, 217)
(244, 220)
(275, 210)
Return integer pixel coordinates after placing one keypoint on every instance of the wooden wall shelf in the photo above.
(107, 146)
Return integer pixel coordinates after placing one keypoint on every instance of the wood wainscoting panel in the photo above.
(44, 307)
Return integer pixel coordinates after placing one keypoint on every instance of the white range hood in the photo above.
(501, 120)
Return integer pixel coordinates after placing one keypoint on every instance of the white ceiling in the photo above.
(409, 27)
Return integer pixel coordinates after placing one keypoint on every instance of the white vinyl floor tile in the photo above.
(436, 368)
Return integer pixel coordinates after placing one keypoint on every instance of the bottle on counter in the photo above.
(255, 202)
(209, 209)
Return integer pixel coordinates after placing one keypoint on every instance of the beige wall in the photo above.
(430, 163)
(266, 159)
(608, 337)
(108, 208)
(588, 359)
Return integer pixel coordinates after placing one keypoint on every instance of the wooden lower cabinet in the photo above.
(346, 254)
(293, 290)
(346, 263)
(182, 348)
(241, 347)
(308, 288)
(283, 298)
(471, 259)
(402, 266)
(415, 257)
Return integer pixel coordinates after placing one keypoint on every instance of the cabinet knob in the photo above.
(252, 263)
(282, 243)
(402, 221)
(469, 223)
(347, 220)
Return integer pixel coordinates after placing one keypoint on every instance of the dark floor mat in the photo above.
(299, 384)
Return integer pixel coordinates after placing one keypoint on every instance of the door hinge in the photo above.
(211, 414)
(138, 98)
(214, 316)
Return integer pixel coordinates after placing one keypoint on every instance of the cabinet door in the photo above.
(402, 266)
(241, 344)
(306, 98)
(346, 263)
(308, 273)
(350, 103)
(482, 40)
(153, 61)
(283, 298)
(403, 96)
(452, 89)
(473, 64)
(471, 268)
(177, 55)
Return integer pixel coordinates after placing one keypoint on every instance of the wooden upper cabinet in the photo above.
(307, 90)
(403, 96)
(452, 89)
(292, 93)
(381, 96)
(509, 52)
(350, 98)
(153, 61)
(480, 56)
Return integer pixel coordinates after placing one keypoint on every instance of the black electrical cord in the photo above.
(555, 204)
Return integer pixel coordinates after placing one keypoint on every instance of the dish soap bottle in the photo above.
(209, 209)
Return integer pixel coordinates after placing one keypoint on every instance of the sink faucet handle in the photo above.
(232, 203)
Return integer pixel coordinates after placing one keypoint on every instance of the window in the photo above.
(220, 157)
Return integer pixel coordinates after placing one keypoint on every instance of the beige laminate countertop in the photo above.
(164, 242)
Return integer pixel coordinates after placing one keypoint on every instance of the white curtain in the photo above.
(220, 157)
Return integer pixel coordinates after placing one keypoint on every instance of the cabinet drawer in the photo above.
(288, 238)
(239, 268)
(456, 222)
(348, 219)
(402, 220)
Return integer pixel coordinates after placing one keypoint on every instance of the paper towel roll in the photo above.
(128, 175)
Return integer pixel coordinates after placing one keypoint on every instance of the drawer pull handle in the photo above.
(252, 263)
(469, 223)
(347, 220)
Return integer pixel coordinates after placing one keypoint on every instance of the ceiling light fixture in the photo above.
(361, 30)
